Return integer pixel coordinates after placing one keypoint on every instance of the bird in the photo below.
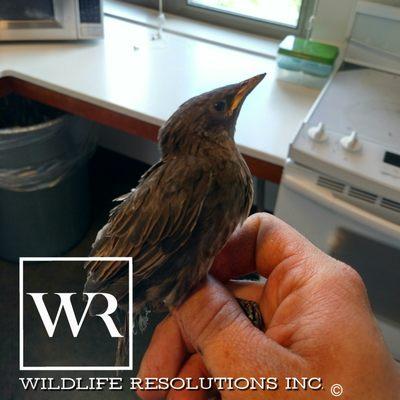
(180, 215)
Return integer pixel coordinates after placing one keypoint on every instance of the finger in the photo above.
(193, 368)
(229, 344)
(261, 244)
(164, 356)
(157, 362)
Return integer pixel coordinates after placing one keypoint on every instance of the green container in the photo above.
(310, 50)
(306, 62)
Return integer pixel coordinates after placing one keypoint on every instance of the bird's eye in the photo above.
(220, 106)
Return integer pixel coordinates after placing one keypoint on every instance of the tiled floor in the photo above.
(111, 175)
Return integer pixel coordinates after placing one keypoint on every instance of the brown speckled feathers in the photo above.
(182, 212)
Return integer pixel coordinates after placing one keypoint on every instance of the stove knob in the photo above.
(317, 133)
(351, 143)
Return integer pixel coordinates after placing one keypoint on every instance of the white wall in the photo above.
(333, 17)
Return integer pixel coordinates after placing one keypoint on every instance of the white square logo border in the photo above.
(23, 367)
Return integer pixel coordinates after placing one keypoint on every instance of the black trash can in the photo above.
(44, 188)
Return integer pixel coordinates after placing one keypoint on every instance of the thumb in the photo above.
(213, 324)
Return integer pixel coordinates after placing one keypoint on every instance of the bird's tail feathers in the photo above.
(122, 345)
(140, 323)
(141, 320)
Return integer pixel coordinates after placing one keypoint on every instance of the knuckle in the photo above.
(264, 216)
(218, 323)
(353, 278)
(346, 283)
(206, 314)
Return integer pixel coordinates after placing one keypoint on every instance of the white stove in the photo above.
(353, 133)
(341, 183)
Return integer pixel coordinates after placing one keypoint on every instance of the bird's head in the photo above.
(211, 116)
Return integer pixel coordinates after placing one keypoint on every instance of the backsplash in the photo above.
(333, 17)
(395, 3)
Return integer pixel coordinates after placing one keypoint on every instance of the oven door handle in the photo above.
(326, 199)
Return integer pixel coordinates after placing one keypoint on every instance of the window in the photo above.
(275, 18)
(285, 12)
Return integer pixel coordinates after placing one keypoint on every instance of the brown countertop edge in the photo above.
(259, 168)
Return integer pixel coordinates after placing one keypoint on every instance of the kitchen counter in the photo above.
(133, 84)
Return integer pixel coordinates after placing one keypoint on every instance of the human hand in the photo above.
(318, 318)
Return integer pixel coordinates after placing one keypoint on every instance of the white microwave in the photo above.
(50, 19)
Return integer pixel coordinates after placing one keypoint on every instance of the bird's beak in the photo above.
(244, 88)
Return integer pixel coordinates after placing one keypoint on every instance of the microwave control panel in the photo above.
(90, 11)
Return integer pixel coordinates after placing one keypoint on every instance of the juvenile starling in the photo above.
(182, 212)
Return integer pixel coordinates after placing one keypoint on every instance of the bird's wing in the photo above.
(153, 221)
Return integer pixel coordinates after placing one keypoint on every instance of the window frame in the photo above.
(232, 20)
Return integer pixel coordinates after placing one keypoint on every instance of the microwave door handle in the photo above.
(326, 199)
